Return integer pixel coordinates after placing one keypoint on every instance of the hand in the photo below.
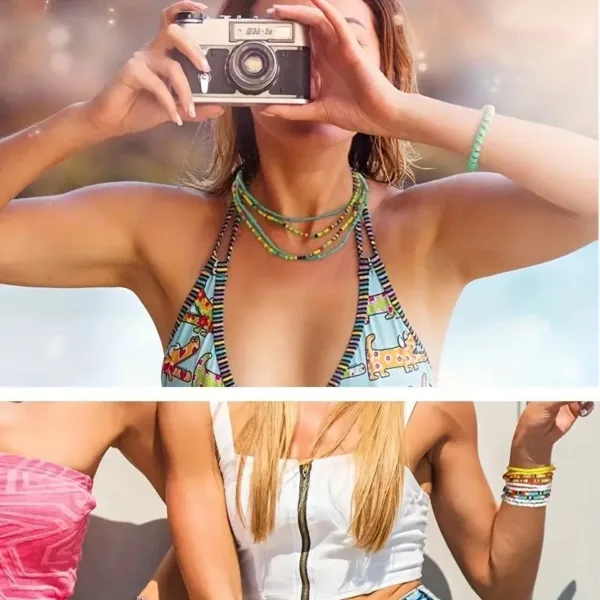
(541, 425)
(138, 99)
(352, 92)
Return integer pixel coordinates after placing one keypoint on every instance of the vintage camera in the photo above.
(252, 61)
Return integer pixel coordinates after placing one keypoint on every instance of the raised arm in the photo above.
(497, 549)
(539, 200)
(92, 237)
(196, 503)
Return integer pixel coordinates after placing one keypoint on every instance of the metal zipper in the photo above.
(303, 525)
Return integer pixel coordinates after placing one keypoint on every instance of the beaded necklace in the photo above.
(350, 215)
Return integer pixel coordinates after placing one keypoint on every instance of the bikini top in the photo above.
(383, 348)
(311, 554)
(44, 510)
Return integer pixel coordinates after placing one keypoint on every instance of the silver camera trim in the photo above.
(210, 34)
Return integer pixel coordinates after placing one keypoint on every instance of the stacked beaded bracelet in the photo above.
(528, 487)
(488, 114)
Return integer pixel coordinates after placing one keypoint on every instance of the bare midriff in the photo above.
(394, 592)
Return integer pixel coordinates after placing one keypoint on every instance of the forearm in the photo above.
(26, 155)
(557, 165)
(166, 583)
(517, 540)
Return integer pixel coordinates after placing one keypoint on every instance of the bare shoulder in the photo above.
(137, 424)
(182, 422)
(139, 441)
(456, 420)
(445, 420)
(170, 209)
(407, 216)
(427, 199)
(140, 416)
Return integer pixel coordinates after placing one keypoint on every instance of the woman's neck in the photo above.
(303, 184)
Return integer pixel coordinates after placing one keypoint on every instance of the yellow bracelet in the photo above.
(537, 471)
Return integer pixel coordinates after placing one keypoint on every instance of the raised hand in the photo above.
(541, 425)
(351, 91)
(139, 97)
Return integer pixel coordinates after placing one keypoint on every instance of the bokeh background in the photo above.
(534, 59)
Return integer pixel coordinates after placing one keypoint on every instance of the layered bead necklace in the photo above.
(337, 234)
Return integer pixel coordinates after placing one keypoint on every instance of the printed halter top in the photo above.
(383, 348)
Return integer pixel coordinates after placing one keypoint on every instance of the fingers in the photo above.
(586, 408)
(305, 112)
(170, 13)
(174, 37)
(306, 15)
(578, 409)
(338, 22)
(151, 82)
(172, 71)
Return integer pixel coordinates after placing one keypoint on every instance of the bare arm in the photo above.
(140, 445)
(539, 202)
(497, 549)
(196, 503)
(91, 237)
(78, 239)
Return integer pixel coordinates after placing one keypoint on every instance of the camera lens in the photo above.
(253, 64)
(252, 68)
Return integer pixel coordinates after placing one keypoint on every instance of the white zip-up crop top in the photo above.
(310, 555)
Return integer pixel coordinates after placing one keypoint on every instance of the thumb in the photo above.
(304, 112)
(207, 111)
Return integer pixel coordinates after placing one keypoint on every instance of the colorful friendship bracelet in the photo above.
(535, 471)
(528, 487)
(488, 114)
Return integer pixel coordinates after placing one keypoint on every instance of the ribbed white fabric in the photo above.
(336, 569)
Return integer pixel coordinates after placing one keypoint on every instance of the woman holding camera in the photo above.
(294, 260)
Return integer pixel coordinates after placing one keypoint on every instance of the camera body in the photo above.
(252, 61)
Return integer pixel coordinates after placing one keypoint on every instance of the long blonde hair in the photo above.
(385, 160)
(378, 457)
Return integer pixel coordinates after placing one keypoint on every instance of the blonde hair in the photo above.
(385, 160)
(378, 457)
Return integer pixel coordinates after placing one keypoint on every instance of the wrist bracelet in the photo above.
(488, 114)
(528, 487)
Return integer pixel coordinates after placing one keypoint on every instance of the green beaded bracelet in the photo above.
(488, 114)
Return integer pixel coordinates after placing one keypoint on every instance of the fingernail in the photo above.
(192, 110)
(270, 11)
(584, 412)
(178, 120)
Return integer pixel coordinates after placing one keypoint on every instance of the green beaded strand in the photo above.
(284, 222)
(488, 114)
(342, 235)
(326, 215)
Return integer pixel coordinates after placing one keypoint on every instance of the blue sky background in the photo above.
(536, 327)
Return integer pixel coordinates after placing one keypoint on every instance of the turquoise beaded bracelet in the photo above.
(488, 114)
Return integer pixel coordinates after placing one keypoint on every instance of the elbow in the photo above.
(490, 585)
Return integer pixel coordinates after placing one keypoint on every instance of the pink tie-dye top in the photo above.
(44, 512)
